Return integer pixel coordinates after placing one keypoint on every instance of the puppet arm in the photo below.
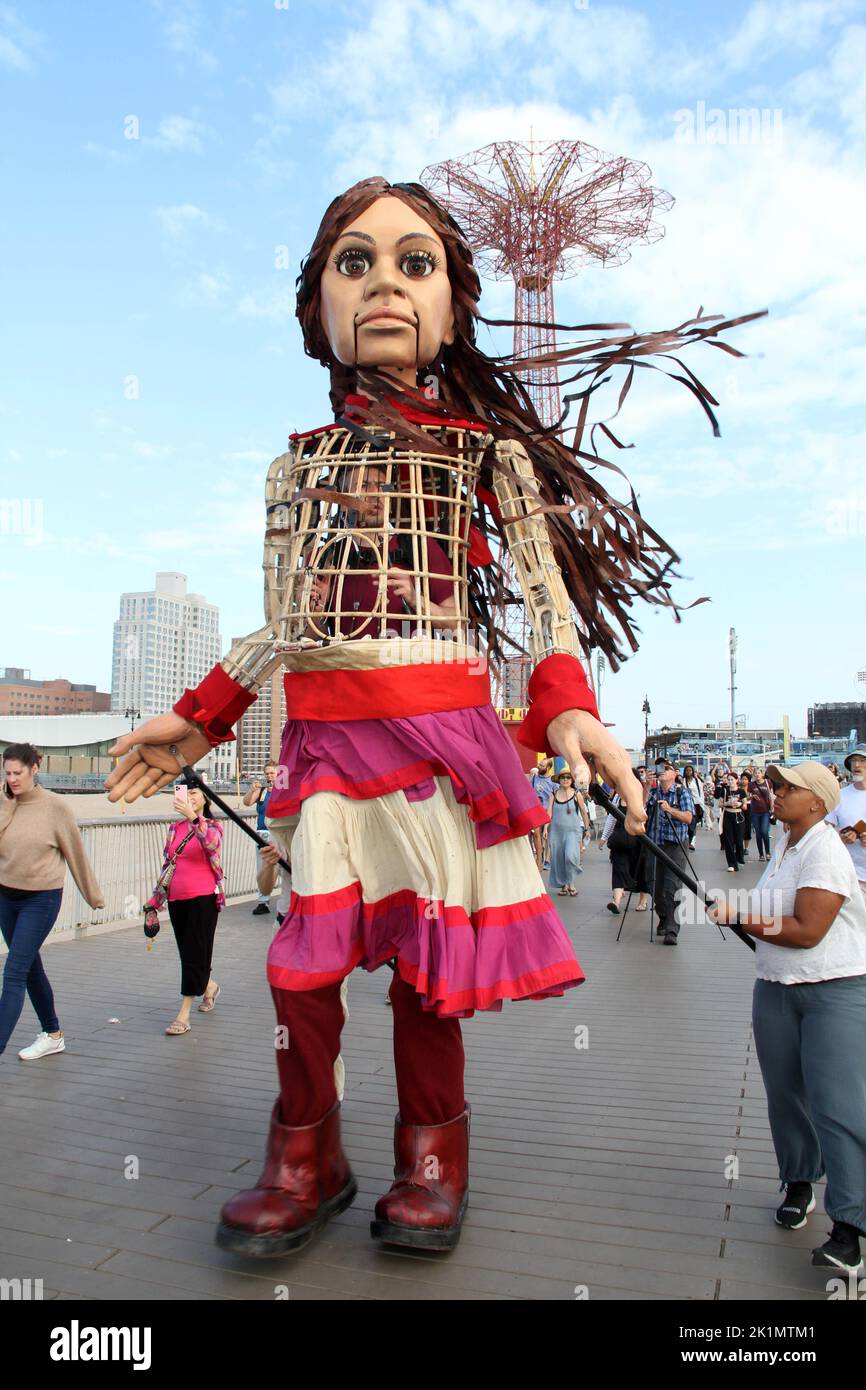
(558, 680)
(563, 715)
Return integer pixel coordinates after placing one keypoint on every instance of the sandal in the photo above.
(572, 892)
(177, 1029)
(206, 1005)
(641, 909)
(563, 893)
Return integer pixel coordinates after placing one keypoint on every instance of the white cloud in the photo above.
(111, 156)
(17, 42)
(178, 133)
(278, 305)
(175, 221)
(143, 450)
(768, 29)
(204, 291)
(182, 29)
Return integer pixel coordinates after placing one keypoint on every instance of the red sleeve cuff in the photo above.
(558, 683)
(216, 704)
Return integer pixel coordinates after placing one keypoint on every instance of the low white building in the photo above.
(74, 748)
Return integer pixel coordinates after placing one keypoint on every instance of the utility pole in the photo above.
(732, 652)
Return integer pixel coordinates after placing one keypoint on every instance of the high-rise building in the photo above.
(837, 720)
(165, 641)
(19, 694)
(260, 730)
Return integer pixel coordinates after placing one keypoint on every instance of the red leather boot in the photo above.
(306, 1180)
(428, 1199)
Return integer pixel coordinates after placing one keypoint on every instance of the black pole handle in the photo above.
(598, 794)
(192, 777)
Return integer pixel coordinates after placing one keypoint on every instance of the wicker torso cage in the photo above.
(343, 512)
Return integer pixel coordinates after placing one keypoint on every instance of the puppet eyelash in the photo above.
(346, 252)
(357, 252)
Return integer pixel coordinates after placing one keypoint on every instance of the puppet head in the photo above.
(386, 247)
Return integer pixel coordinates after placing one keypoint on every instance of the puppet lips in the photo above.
(384, 314)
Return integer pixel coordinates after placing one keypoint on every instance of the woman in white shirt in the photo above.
(809, 1012)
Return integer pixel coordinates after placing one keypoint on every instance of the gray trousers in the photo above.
(811, 1044)
(666, 886)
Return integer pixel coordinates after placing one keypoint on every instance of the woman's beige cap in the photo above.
(813, 776)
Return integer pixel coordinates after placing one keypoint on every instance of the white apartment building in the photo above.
(165, 641)
(260, 730)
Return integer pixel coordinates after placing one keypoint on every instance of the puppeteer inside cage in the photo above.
(368, 539)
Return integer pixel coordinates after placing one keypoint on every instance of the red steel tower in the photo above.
(532, 213)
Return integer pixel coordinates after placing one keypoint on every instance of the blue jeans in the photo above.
(811, 1044)
(761, 827)
(25, 923)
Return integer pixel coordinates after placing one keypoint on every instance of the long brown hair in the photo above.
(607, 553)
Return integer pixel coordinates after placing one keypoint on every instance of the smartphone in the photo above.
(181, 792)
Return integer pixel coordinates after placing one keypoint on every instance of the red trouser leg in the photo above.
(313, 1020)
(428, 1056)
(428, 1060)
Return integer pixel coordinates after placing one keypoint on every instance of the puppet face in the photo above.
(386, 296)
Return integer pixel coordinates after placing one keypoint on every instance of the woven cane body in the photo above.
(344, 514)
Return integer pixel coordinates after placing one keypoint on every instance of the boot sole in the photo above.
(418, 1238)
(269, 1247)
(800, 1224)
(823, 1261)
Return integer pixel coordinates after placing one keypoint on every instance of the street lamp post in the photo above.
(646, 711)
(131, 714)
(600, 667)
(732, 652)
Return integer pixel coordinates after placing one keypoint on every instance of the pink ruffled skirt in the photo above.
(409, 843)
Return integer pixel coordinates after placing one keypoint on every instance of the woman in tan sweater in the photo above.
(38, 838)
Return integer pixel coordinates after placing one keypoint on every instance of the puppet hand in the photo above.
(150, 765)
(270, 854)
(589, 748)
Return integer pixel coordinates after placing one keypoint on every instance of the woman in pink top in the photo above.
(195, 897)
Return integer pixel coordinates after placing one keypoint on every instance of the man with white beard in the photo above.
(851, 814)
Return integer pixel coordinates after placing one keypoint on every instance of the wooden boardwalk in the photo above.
(602, 1170)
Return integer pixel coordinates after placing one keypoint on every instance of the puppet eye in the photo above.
(418, 264)
(352, 261)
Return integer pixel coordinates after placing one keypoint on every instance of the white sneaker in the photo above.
(43, 1047)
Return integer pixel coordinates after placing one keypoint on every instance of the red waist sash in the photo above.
(394, 692)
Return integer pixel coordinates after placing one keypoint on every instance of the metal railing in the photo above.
(126, 855)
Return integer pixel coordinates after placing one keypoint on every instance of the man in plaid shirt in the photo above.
(670, 812)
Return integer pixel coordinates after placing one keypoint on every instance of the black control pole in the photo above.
(192, 777)
(598, 794)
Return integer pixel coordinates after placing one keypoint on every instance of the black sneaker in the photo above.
(799, 1201)
(260, 909)
(841, 1251)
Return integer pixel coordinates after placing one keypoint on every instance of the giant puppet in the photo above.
(400, 797)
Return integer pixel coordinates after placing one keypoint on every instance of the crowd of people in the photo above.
(40, 841)
(807, 914)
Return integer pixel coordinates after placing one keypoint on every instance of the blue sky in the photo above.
(151, 365)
